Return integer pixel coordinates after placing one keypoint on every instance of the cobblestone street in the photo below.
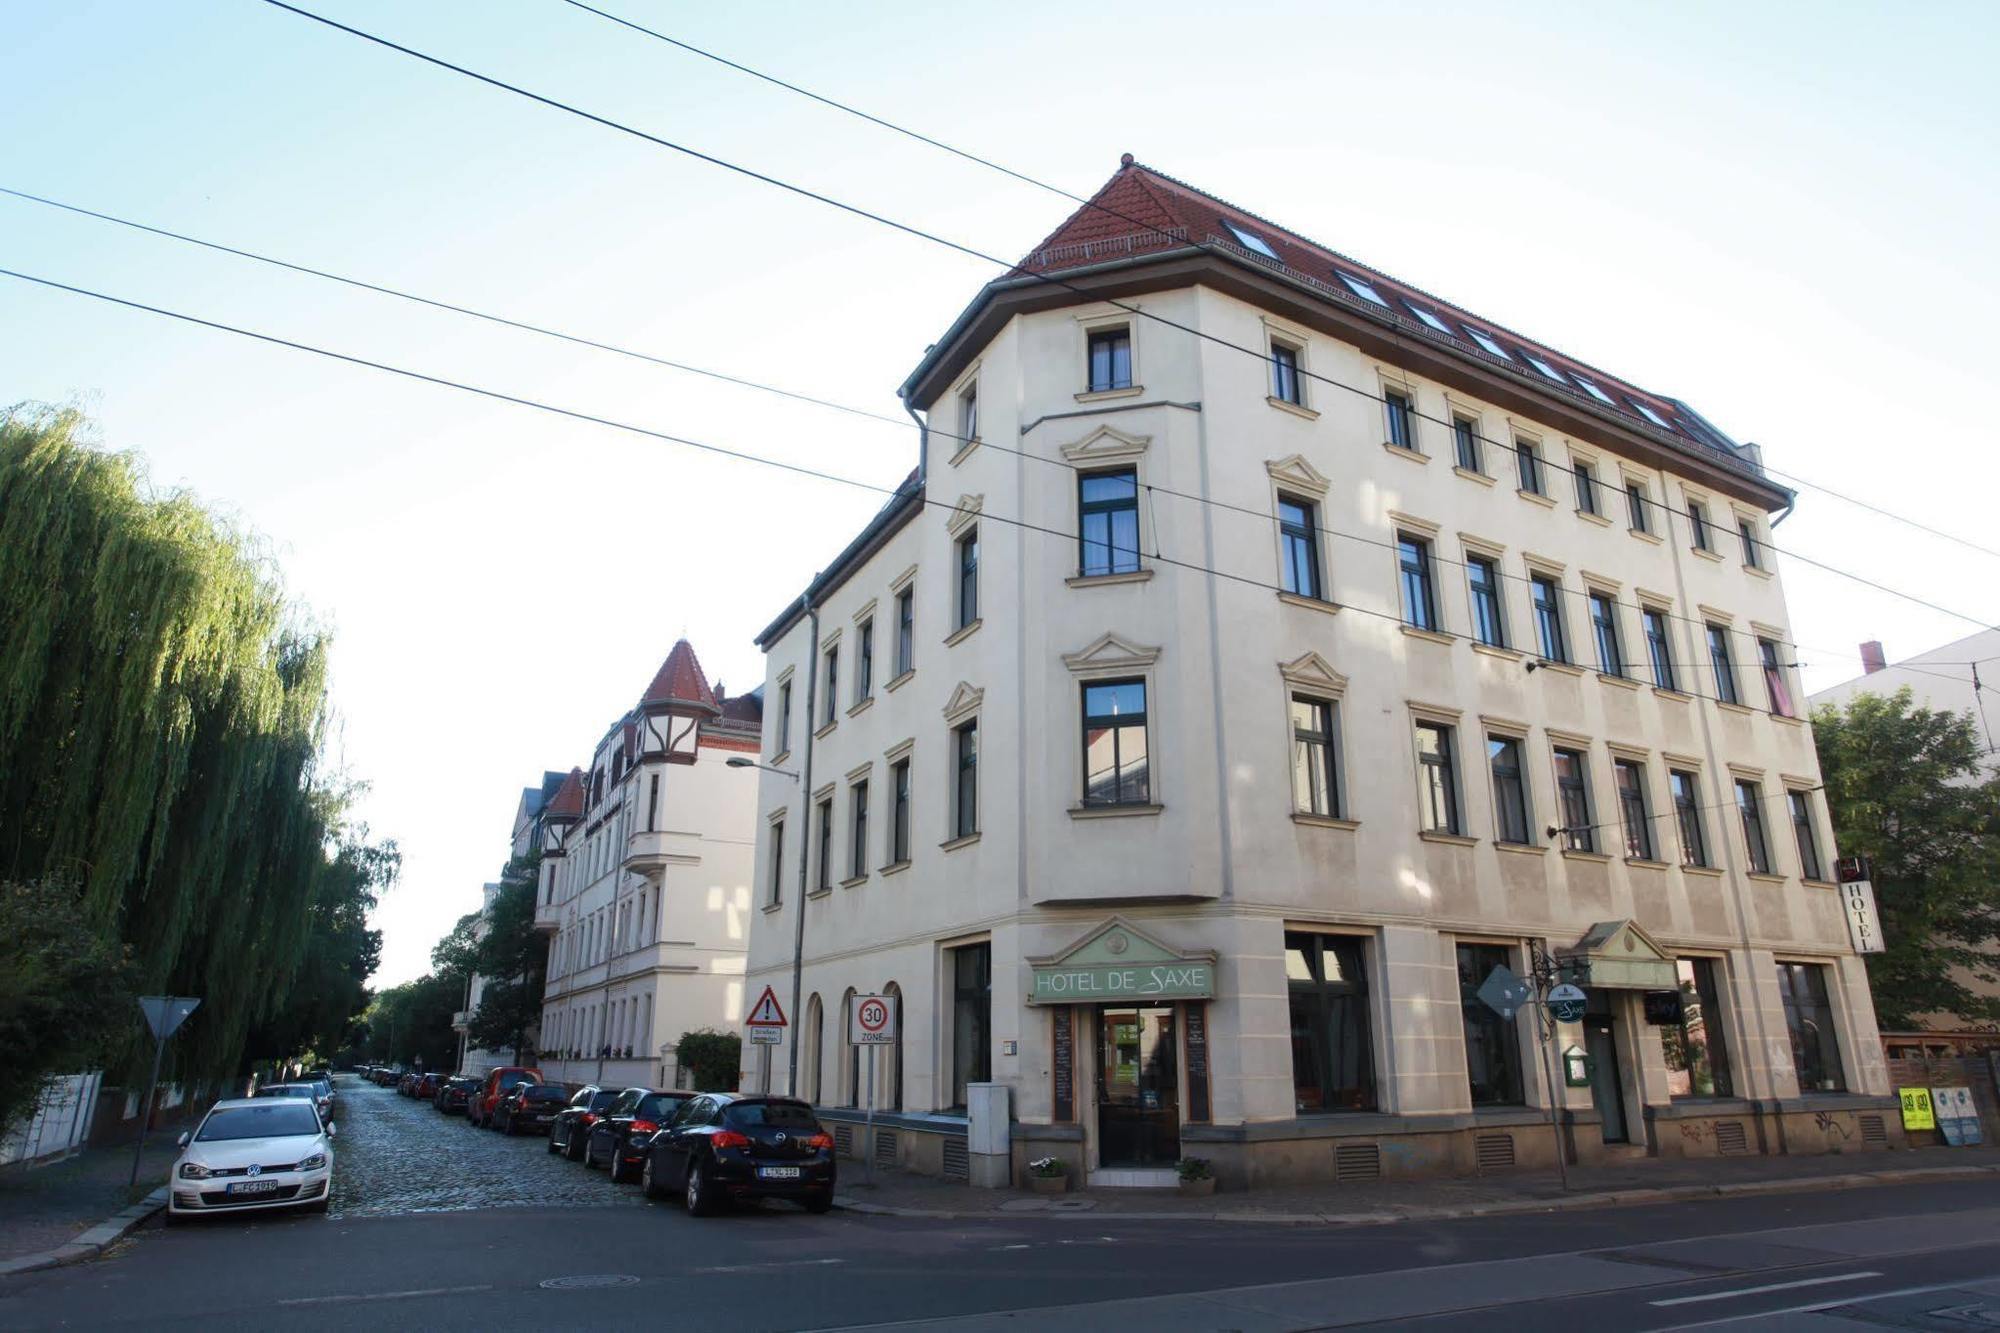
(398, 1155)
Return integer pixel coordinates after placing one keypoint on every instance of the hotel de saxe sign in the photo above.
(1116, 963)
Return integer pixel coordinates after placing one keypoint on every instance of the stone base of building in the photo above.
(1333, 1150)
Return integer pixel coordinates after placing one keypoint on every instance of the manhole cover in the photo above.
(587, 1280)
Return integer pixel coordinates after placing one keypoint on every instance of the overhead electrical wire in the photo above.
(973, 252)
(1099, 206)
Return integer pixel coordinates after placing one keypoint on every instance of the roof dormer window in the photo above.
(1429, 318)
(1546, 369)
(1486, 341)
(1594, 391)
(1251, 241)
(1651, 415)
(1361, 287)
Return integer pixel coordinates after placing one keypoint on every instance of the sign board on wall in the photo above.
(1119, 963)
(1957, 1116)
(1864, 928)
(1917, 1113)
(872, 1021)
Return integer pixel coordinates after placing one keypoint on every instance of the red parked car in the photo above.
(498, 1082)
(427, 1086)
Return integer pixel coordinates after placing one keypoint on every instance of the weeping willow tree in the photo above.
(162, 709)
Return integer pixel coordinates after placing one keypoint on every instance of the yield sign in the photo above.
(766, 1013)
(165, 1013)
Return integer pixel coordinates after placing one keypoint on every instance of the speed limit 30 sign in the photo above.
(872, 1021)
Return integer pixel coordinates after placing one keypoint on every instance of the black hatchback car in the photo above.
(623, 1130)
(531, 1108)
(572, 1124)
(726, 1146)
(456, 1092)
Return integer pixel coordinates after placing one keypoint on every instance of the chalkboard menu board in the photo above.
(1197, 1060)
(1063, 1061)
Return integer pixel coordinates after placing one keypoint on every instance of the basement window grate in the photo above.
(843, 1140)
(1730, 1139)
(1874, 1132)
(886, 1143)
(1357, 1161)
(1494, 1151)
(957, 1160)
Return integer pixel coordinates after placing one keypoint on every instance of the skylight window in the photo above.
(1428, 318)
(1488, 343)
(1651, 415)
(1593, 390)
(1545, 368)
(1251, 241)
(1361, 287)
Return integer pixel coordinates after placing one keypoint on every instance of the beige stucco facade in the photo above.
(1219, 859)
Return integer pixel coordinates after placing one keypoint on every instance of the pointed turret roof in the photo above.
(567, 803)
(679, 683)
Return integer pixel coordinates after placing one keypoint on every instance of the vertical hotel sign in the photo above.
(1864, 927)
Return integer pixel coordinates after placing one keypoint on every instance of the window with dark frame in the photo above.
(1465, 440)
(1298, 547)
(1111, 359)
(777, 885)
(1107, 522)
(1333, 1056)
(1546, 594)
(832, 704)
(1750, 806)
(971, 1018)
(1402, 428)
(968, 415)
(1573, 800)
(968, 577)
(1285, 385)
(1492, 1047)
(857, 806)
(965, 779)
(1718, 659)
(906, 631)
(1315, 786)
(1489, 619)
(784, 718)
(1633, 809)
(864, 660)
(1528, 461)
(1686, 791)
(1659, 646)
(823, 876)
(1747, 531)
(1586, 485)
(1698, 525)
(1604, 627)
(1774, 678)
(1696, 1048)
(1115, 762)
(1635, 507)
(1437, 784)
(1510, 791)
(1413, 556)
(1800, 803)
(899, 813)
(1809, 1022)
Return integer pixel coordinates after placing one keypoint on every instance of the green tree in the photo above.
(513, 957)
(1906, 787)
(65, 990)
(713, 1059)
(413, 1021)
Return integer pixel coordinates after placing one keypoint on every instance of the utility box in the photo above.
(989, 1136)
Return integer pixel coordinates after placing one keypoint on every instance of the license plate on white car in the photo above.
(254, 1187)
(777, 1173)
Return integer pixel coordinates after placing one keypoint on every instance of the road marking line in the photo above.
(382, 1295)
(1770, 1286)
(789, 1263)
(1817, 1306)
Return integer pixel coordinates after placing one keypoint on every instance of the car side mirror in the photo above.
(185, 1139)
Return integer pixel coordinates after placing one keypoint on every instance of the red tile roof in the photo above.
(567, 803)
(1141, 211)
(679, 681)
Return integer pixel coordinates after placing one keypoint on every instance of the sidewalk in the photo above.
(899, 1194)
(43, 1208)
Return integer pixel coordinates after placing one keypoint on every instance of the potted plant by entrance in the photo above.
(1048, 1175)
(1197, 1178)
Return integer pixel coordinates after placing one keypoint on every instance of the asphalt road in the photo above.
(1923, 1256)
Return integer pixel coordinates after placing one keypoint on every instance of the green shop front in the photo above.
(1129, 1047)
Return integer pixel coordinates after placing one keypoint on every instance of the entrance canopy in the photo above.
(1117, 962)
(1622, 957)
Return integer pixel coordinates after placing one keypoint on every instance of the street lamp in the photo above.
(738, 761)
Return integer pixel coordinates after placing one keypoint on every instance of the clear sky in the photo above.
(1783, 214)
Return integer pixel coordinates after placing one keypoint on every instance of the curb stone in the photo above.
(92, 1242)
(1602, 1199)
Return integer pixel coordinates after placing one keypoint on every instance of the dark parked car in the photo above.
(427, 1086)
(572, 1126)
(531, 1108)
(725, 1146)
(455, 1093)
(620, 1136)
(497, 1084)
(406, 1085)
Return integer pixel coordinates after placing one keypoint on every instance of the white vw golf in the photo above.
(264, 1152)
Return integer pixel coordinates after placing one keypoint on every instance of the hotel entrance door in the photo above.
(1138, 1087)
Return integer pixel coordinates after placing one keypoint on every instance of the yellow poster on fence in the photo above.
(1917, 1113)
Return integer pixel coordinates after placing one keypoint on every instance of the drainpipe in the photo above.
(805, 839)
(923, 444)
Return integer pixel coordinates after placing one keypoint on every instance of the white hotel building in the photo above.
(1263, 651)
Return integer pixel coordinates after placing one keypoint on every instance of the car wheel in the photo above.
(619, 1173)
(507, 1126)
(819, 1203)
(649, 1180)
(572, 1149)
(553, 1150)
(589, 1156)
(700, 1193)
(320, 1205)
